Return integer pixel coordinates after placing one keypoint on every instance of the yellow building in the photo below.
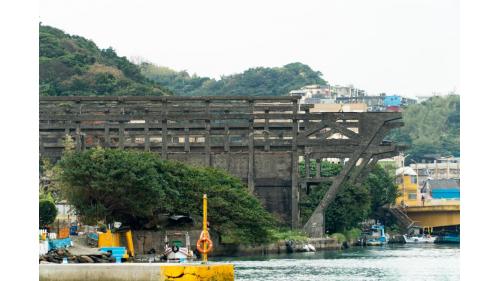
(429, 213)
(408, 188)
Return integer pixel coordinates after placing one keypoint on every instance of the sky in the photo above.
(405, 47)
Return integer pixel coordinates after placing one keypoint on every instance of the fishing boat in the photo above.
(175, 250)
(419, 239)
(376, 237)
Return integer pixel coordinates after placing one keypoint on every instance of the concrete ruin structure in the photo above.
(257, 139)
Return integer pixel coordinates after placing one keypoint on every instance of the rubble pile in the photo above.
(57, 256)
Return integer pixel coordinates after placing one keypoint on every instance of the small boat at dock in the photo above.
(419, 239)
(374, 237)
(175, 250)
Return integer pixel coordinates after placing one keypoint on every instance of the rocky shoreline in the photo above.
(57, 256)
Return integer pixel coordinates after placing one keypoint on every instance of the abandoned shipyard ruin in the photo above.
(257, 139)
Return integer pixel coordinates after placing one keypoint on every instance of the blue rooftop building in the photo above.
(442, 189)
(392, 101)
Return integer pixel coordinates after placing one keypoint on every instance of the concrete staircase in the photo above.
(404, 220)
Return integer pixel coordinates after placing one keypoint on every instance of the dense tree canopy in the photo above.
(350, 207)
(259, 81)
(71, 65)
(382, 189)
(353, 203)
(134, 187)
(432, 128)
(116, 185)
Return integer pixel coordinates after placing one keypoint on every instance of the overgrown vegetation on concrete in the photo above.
(135, 187)
(289, 235)
(353, 203)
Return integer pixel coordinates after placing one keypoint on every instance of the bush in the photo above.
(47, 212)
(339, 237)
(289, 235)
(393, 229)
(352, 234)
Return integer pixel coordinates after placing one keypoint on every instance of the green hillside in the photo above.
(71, 65)
(432, 128)
(259, 81)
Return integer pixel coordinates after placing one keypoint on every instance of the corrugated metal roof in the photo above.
(442, 184)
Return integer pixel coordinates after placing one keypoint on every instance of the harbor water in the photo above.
(389, 262)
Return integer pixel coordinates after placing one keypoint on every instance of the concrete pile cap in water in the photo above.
(137, 272)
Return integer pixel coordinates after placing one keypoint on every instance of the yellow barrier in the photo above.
(130, 243)
(216, 272)
(110, 239)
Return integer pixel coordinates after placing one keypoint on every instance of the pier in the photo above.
(136, 272)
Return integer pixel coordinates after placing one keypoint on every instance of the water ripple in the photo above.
(394, 262)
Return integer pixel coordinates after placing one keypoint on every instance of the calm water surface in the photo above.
(391, 262)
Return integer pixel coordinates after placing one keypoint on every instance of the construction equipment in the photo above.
(113, 238)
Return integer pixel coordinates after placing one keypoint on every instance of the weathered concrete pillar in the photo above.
(208, 147)
(226, 138)
(164, 128)
(251, 155)
(146, 136)
(307, 162)
(295, 170)
(187, 148)
(315, 226)
(78, 137)
(121, 135)
(267, 147)
(107, 139)
(318, 168)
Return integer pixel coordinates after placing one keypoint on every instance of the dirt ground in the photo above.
(80, 246)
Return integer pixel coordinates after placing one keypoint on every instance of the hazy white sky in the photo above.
(407, 47)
